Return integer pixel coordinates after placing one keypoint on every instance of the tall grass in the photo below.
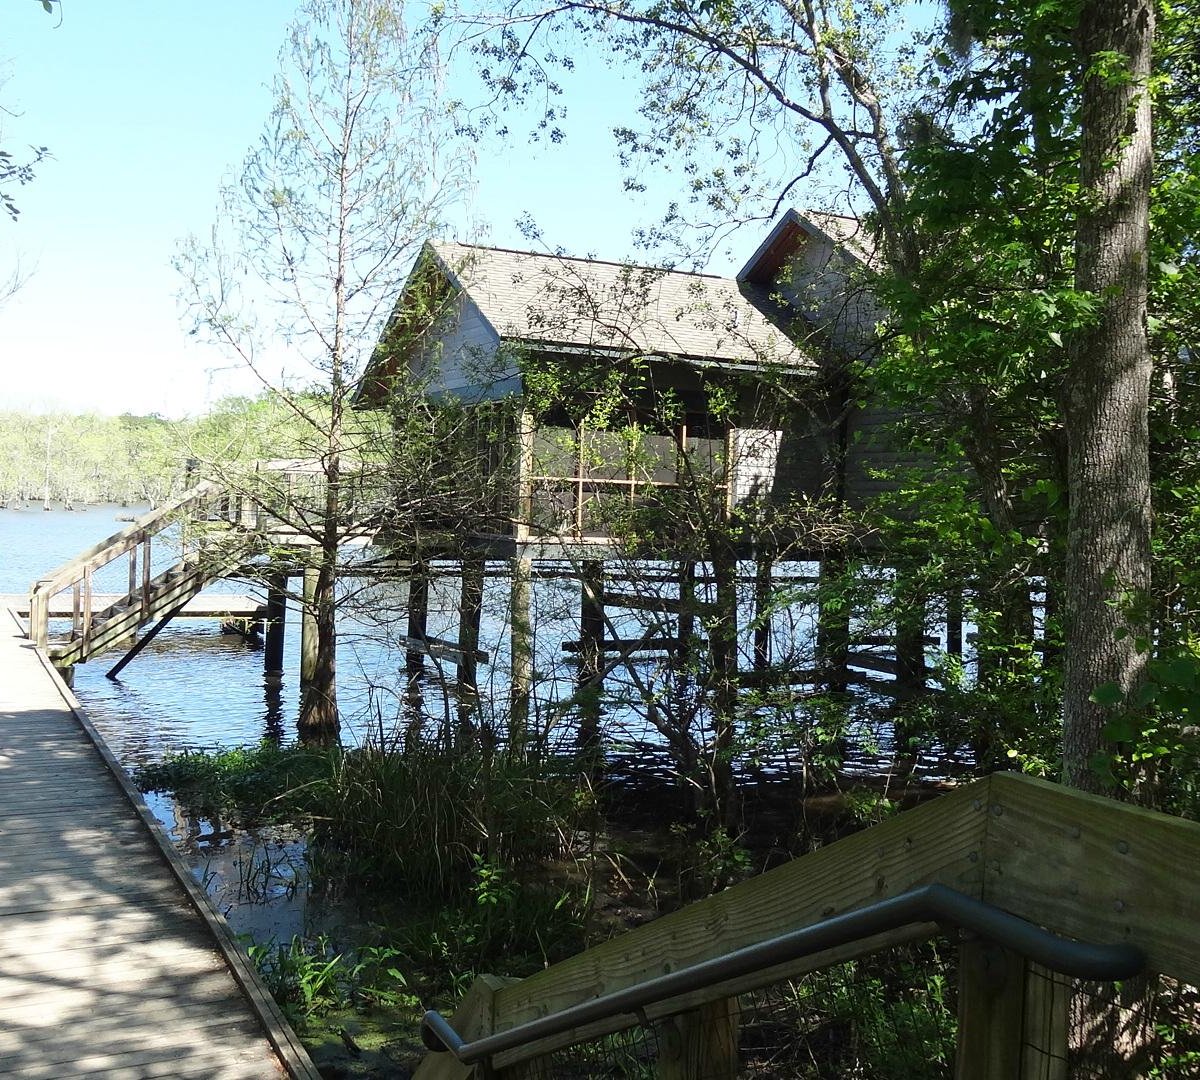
(417, 820)
(425, 819)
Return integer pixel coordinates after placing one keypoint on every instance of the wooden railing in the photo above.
(1079, 865)
(255, 510)
(135, 542)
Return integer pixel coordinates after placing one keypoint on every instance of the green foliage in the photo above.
(890, 1016)
(311, 977)
(421, 822)
(709, 858)
(266, 783)
(504, 923)
(423, 819)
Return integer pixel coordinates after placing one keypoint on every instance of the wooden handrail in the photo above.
(240, 510)
(1079, 865)
(113, 547)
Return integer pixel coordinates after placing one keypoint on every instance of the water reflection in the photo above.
(273, 716)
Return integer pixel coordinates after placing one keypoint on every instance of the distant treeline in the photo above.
(79, 459)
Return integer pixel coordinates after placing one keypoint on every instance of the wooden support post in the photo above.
(470, 613)
(762, 611)
(133, 572)
(701, 1044)
(276, 623)
(308, 628)
(1047, 1024)
(591, 656)
(418, 620)
(472, 1020)
(154, 631)
(521, 662)
(687, 606)
(833, 621)
(991, 1012)
(910, 634)
(954, 622)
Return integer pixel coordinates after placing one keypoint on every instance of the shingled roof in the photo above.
(583, 304)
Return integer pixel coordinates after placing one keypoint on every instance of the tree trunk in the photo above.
(318, 708)
(1108, 383)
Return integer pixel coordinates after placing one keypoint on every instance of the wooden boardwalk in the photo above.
(112, 964)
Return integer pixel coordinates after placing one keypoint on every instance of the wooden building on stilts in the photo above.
(671, 438)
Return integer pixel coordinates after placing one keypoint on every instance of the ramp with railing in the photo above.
(209, 532)
(1047, 896)
(151, 595)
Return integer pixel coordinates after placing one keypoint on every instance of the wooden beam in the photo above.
(700, 1043)
(666, 605)
(439, 648)
(627, 645)
(991, 1012)
(1047, 1024)
(1096, 869)
(150, 635)
(472, 1020)
(276, 621)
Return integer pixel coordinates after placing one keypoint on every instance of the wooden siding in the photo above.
(830, 290)
(466, 359)
(871, 451)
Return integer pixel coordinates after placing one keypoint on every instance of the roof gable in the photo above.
(847, 234)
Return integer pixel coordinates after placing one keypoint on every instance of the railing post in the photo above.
(700, 1043)
(1047, 1024)
(991, 1012)
(473, 1019)
(86, 628)
(146, 574)
(39, 618)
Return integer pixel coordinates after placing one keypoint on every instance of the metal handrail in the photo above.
(929, 903)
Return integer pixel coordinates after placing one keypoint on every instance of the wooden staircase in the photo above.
(214, 542)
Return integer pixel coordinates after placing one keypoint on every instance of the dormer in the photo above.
(821, 265)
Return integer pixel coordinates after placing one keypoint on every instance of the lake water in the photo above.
(196, 687)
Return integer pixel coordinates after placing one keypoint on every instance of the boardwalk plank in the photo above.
(107, 966)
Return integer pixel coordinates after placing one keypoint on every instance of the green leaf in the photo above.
(1120, 729)
(1108, 693)
(1056, 337)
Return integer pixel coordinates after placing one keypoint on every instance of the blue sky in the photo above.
(146, 108)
